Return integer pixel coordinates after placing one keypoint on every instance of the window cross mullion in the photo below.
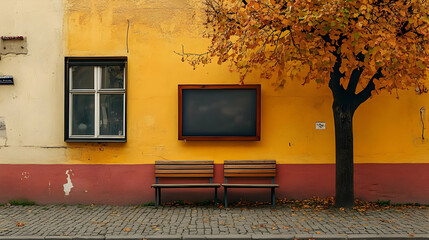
(97, 81)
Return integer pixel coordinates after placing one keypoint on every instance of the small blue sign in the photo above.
(6, 80)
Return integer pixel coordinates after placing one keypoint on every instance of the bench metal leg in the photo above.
(156, 197)
(226, 197)
(159, 196)
(273, 197)
(215, 199)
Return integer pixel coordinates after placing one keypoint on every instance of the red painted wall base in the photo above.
(130, 184)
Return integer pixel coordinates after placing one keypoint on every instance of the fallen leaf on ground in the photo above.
(127, 229)
(20, 224)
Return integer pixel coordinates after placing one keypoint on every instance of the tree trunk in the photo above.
(344, 188)
(346, 101)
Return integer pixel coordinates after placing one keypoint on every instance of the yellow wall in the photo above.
(386, 130)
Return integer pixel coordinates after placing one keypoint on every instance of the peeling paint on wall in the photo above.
(25, 175)
(3, 137)
(69, 185)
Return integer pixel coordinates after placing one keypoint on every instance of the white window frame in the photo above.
(97, 92)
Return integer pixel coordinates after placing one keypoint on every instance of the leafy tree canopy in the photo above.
(381, 44)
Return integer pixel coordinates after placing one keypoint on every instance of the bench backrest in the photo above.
(183, 169)
(249, 168)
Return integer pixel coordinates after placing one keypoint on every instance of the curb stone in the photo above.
(22, 238)
(166, 237)
(88, 238)
(273, 237)
(421, 236)
(303, 236)
(330, 236)
(230, 236)
(58, 238)
(194, 237)
(131, 237)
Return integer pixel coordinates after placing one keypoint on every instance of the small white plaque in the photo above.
(320, 125)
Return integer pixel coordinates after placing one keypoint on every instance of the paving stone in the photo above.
(21, 238)
(129, 222)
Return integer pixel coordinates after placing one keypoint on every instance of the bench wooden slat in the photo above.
(183, 162)
(186, 185)
(255, 171)
(239, 166)
(250, 168)
(171, 175)
(184, 171)
(249, 175)
(238, 185)
(249, 162)
(176, 166)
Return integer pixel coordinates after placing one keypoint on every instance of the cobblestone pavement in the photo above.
(98, 220)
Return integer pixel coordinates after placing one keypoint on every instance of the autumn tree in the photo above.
(357, 47)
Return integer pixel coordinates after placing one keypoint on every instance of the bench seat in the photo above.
(180, 170)
(250, 169)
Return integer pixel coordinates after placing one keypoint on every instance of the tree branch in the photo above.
(354, 80)
(336, 75)
(366, 92)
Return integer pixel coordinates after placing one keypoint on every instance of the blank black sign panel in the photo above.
(219, 112)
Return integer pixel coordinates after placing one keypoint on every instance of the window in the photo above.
(95, 100)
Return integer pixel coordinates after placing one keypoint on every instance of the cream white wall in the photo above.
(33, 107)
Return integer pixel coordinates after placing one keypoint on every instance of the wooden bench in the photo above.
(183, 169)
(250, 169)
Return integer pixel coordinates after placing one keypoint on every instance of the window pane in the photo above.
(83, 77)
(112, 114)
(83, 114)
(112, 77)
